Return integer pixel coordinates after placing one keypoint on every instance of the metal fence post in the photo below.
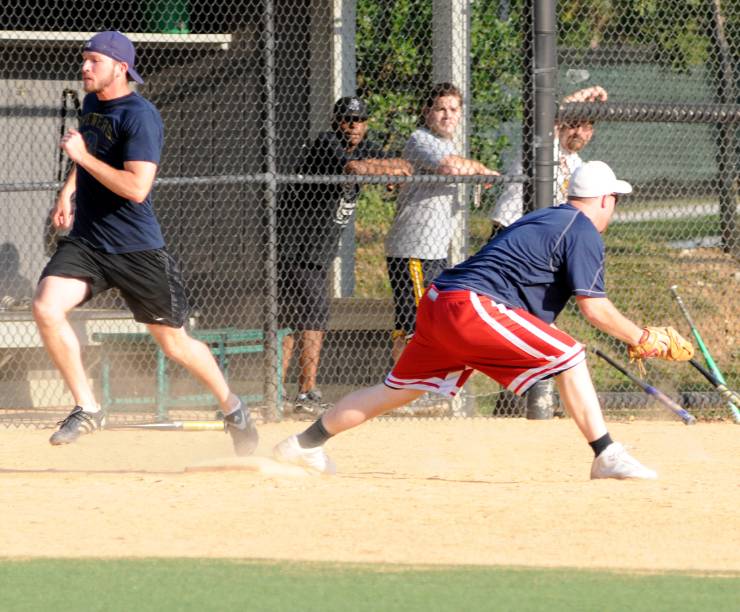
(726, 142)
(272, 411)
(528, 103)
(540, 398)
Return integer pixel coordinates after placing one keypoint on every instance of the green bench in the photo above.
(223, 343)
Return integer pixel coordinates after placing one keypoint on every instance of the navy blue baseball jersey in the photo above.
(116, 131)
(536, 264)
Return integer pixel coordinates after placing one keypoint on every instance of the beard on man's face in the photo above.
(575, 143)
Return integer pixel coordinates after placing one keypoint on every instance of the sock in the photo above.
(314, 436)
(600, 445)
(234, 404)
(95, 408)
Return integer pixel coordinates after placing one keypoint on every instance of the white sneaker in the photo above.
(616, 462)
(290, 451)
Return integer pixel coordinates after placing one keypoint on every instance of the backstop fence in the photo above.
(302, 185)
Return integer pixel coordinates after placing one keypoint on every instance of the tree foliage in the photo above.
(394, 63)
(394, 43)
(394, 53)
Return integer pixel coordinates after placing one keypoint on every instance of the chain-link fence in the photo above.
(301, 186)
(670, 126)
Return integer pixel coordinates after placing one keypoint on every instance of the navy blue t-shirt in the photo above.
(311, 217)
(116, 131)
(536, 264)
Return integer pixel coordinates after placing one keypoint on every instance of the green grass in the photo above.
(203, 585)
(647, 233)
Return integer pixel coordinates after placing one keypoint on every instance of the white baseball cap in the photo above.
(594, 179)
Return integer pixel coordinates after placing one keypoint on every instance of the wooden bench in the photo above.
(223, 343)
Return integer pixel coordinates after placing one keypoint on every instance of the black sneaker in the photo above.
(243, 431)
(76, 423)
(310, 403)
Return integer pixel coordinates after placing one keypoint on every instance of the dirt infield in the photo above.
(510, 492)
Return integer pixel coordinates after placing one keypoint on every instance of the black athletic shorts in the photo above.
(409, 278)
(149, 281)
(303, 296)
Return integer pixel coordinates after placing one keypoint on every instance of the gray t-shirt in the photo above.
(425, 212)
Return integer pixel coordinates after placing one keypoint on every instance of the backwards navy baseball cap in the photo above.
(117, 46)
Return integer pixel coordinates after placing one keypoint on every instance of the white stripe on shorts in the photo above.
(443, 386)
(515, 340)
(527, 378)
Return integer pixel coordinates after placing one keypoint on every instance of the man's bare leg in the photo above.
(364, 404)
(288, 347)
(581, 402)
(197, 358)
(308, 361)
(306, 449)
(54, 298)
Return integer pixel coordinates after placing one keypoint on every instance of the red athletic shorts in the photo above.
(460, 331)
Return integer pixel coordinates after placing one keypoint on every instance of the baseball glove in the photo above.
(663, 343)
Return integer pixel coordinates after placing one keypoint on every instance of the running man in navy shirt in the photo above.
(115, 241)
(494, 313)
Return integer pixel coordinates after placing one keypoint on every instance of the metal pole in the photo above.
(528, 105)
(272, 383)
(540, 397)
(451, 63)
(726, 166)
(545, 106)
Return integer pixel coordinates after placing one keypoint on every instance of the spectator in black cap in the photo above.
(311, 218)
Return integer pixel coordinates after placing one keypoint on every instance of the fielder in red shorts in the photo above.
(494, 313)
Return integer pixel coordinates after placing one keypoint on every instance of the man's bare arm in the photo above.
(133, 182)
(604, 315)
(376, 166)
(455, 165)
(589, 94)
(62, 213)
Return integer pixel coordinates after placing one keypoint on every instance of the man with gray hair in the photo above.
(570, 139)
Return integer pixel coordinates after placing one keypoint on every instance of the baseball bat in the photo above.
(724, 390)
(650, 390)
(174, 426)
(704, 350)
